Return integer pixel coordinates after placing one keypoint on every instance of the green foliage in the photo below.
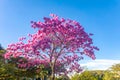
(63, 77)
(89, 75)
(114, 72)
(108, 75)
(115, 67)
(43, 72)
(75, 77)
(5, 69)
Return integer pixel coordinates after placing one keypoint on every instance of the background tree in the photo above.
(2, 63)
(58, 43)
(89, 75)
(115, 67)
(114, 71)
(75, 77)
(63, 77)
(108, 75)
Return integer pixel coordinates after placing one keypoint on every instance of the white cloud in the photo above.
(99, 64)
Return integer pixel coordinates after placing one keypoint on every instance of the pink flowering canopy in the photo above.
(59, 43)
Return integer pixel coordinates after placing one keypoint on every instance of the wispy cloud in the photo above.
(99, 64)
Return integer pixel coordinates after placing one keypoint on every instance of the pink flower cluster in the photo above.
(58, 40)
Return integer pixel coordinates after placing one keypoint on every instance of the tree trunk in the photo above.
(52, 77)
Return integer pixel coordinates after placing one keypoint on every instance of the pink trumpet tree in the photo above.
(59, 43)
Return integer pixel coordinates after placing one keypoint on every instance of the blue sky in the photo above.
(100, 17)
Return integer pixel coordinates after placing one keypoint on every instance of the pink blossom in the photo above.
(58, 42)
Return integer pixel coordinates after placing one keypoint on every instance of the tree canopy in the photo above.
(58, 43)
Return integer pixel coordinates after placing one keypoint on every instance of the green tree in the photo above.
(108, 75)
(115, 67)
(75, 77)
(113, 73)
(63, 77)
(115, 70)
(2, 69)
(89, 75)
